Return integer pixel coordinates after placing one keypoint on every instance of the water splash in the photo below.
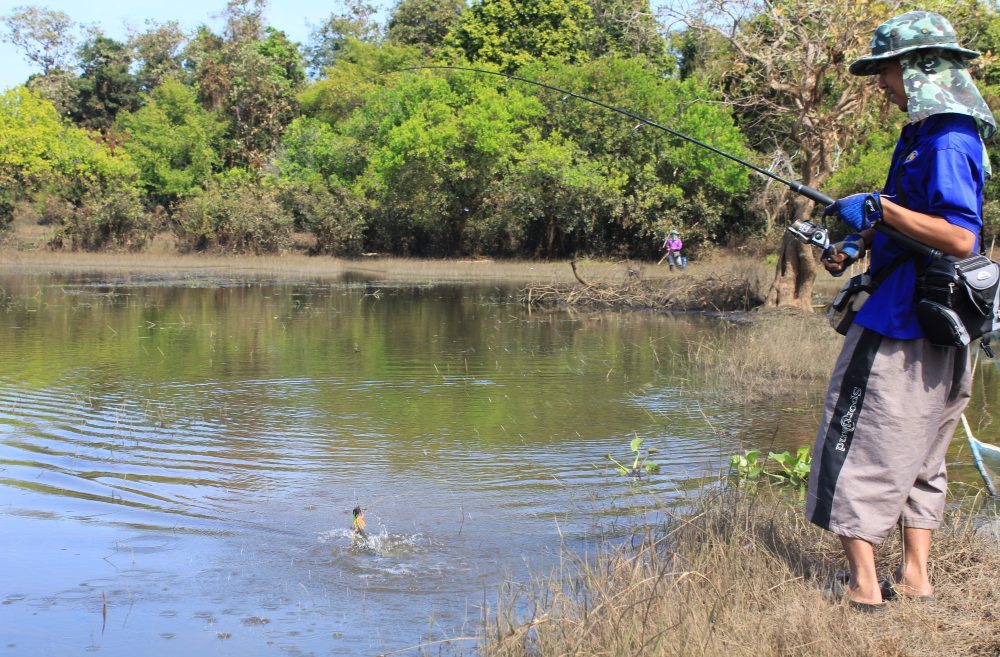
(382, 544)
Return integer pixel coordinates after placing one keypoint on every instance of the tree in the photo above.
(43, 158)
(237, 213)
(423, 23)
(510, 33)
(173, 141)
(355, 75)
(430, 146)
(157, 52)
(251, 74)
(327, 40)
(43, 35)
(665, 182)
(310, 149)
(461, 163)
(786, 77)
(105, 86)
(548, 199)
(46, 39)
(40, 149)
(628, 28)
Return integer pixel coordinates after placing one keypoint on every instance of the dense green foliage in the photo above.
(510, 34)
(105, 86)
(46, 162)
(223, 138)
(174, 141)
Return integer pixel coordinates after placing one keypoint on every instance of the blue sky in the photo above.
(295, 17)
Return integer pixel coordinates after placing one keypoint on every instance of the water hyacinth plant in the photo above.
(792, 471)
(640, 461)
(747, 467)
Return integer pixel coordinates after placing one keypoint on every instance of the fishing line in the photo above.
(804, 231)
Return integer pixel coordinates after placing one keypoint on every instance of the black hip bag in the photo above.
(958, 299)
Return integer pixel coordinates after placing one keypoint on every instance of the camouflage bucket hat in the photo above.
(914, 30)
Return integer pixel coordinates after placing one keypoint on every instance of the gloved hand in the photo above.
(859, 211)
(847, 251)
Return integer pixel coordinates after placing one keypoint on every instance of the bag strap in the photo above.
(886, 271)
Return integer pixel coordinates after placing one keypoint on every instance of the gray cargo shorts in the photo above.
(889, 416)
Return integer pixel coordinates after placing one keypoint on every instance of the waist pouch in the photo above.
(958, 300)
(848, 302)
(855, 292)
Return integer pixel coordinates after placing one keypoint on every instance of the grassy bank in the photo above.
(296, 265)
(24, 248)
(743, 573)
(773, 354)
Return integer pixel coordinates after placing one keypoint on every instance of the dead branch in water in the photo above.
(722, 292)
(572, 263)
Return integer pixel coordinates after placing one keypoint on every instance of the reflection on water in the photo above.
(178, 459)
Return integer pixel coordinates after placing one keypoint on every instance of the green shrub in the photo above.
(333, 215)
(6, 209)
(51, 207)
(236, 214)
(107, 218)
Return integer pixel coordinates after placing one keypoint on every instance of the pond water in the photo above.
(179, 458)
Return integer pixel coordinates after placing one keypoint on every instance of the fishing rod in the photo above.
(804, 231)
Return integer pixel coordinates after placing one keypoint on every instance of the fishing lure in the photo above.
(358, 524)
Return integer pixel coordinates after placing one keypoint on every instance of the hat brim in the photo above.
(870, 65)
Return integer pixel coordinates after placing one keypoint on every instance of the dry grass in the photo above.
(771, 355)
(744, 574)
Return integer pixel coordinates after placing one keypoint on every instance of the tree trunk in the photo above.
(794, 276)
(796, 270)
(550, 237)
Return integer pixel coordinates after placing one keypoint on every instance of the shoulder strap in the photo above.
(886, 271)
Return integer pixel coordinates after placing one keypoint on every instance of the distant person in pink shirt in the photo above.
(673, 256)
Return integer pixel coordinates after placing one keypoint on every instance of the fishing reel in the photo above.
(807, 232)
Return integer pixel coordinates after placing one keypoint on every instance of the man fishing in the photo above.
(894, 398)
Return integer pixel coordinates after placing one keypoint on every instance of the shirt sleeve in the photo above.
(953, 189)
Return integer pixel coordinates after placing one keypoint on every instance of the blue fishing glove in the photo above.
(859, 211)
(853, 247)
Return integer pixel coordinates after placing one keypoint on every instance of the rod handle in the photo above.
(907, 241)
(810, 193)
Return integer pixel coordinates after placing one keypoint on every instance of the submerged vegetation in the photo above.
(742, 572)
(777, 354)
